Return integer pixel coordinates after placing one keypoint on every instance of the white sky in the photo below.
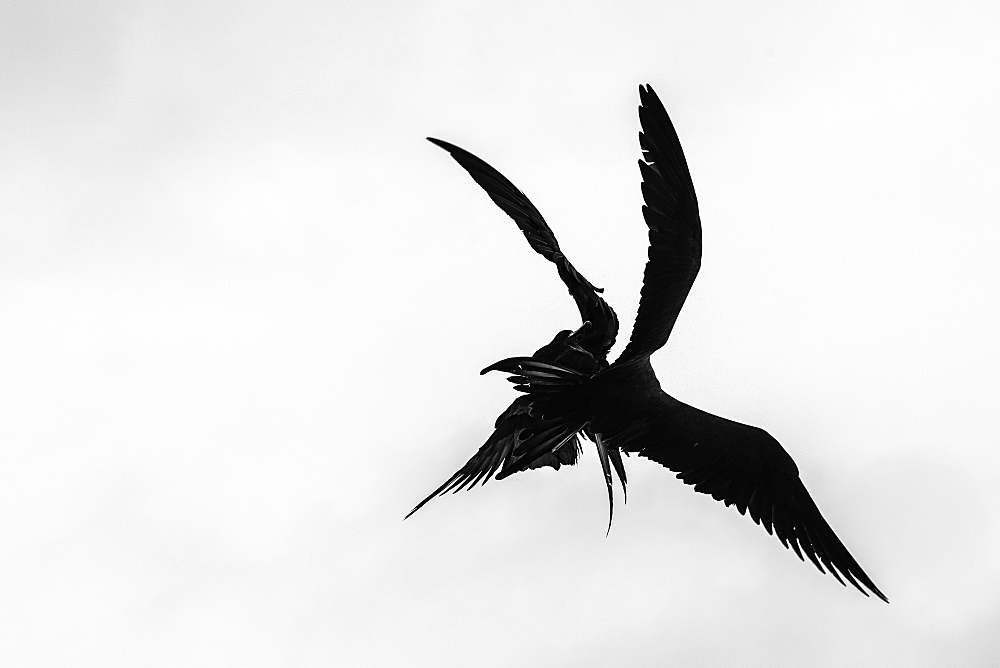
(243, 306)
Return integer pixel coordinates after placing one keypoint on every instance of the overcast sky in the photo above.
(243, 307)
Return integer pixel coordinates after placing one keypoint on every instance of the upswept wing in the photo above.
(746, 467)
(593, 308)
(671, 212)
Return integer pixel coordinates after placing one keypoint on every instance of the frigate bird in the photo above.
(569, 390)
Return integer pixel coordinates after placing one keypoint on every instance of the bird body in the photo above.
(570, 391)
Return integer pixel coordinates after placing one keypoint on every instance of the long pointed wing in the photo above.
(671, 212)
(515, 204)
(745, 467)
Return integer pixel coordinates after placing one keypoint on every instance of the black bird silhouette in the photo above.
(569, 390)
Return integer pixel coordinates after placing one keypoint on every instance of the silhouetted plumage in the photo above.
(569, 390)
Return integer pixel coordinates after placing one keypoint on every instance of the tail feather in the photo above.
(499, 447)
(550, 392)
(539, 429)
(539, 445)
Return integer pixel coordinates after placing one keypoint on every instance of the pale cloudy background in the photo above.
(243, 305)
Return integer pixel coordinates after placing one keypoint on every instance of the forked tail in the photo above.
(553, 401)
(555, 395)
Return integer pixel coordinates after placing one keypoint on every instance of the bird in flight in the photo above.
(569, 391)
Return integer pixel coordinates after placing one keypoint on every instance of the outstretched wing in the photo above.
(745, 467)
(671, 212)
(515, 427)
(593, 308)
